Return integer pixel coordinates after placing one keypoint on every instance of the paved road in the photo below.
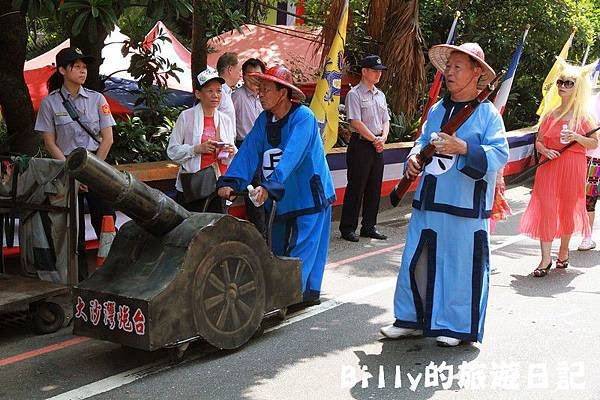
(541, 342)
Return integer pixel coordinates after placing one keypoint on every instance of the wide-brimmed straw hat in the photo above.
(438, 55)
(283, 76)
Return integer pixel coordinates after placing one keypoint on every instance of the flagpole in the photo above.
(502, 96)
(437, 80)
(585, 56)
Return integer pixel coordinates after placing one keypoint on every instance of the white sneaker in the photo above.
(586, 244)
(445, 341)
(393, 332)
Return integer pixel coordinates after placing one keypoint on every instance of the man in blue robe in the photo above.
(286, 142)
(443, 282)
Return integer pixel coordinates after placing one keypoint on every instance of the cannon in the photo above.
(173, 276)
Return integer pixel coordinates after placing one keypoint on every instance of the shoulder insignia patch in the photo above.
(105, 109)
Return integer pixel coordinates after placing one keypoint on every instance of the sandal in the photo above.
(562, 263)
(542, 271)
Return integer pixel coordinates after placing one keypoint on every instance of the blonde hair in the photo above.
(580, 100)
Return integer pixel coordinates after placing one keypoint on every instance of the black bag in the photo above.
(199, 185)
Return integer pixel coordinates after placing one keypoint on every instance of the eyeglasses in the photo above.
(567, 84)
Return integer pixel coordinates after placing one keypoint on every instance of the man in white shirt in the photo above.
(247, 108)
(230, 69)
(245, 99)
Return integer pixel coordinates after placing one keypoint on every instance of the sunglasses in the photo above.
(566, 83)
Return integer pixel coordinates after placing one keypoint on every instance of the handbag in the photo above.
(201, 184)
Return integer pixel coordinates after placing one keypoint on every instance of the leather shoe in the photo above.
(374, 234)
(350, 236)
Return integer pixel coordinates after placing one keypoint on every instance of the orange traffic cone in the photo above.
(107, 235)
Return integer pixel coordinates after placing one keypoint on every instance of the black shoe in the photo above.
(307, 301)
(373, 233)
(350, 236)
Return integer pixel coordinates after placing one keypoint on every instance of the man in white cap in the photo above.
(442, 285)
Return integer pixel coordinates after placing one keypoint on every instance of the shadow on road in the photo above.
(412, 368)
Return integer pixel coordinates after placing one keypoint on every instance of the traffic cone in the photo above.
(107, 235)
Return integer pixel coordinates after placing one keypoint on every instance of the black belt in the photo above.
(361, 137)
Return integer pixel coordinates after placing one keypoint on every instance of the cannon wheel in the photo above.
(47, 317)
(229, 295)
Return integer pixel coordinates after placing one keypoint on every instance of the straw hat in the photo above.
(438, 55)
(282, 75)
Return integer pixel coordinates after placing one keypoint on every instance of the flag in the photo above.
(326, 100)
(436, 86)
(596, 73)
(551, 78)
(502, 96)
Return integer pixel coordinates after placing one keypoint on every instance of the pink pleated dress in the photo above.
(557, 205)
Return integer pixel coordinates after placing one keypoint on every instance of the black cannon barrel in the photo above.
(148, 207)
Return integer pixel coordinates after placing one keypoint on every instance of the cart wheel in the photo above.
(47, 317)
(229, 295)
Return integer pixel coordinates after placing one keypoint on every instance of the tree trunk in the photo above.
(14, 95)
(94, 49)
(199, 39)
(402, 53)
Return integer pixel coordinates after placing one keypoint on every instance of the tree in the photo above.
(14, 96)
(402, 52)
(551, 24)
(88, 21)
(496, 26)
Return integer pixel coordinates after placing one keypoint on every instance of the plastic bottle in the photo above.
(252, 194)
(564, 133)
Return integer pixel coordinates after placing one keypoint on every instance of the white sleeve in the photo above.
(177, 150)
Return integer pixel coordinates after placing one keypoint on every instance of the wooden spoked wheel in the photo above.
(229, 295)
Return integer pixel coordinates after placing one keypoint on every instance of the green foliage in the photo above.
(44, 34)
(499, 28)
(226, 15)
(358, 42)
(91, 14)
(137, 140)
(401, 128)
(147, 67)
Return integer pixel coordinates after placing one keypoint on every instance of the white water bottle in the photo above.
(564, 133)
(252, 193)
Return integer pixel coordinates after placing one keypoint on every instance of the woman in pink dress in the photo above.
(557, 206)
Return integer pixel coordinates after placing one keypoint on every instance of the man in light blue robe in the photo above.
(442, 286)
(286, 141)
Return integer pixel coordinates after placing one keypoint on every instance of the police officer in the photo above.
(67, 102)
(367, 112)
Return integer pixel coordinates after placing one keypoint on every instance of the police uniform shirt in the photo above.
(247, 108)
(94, 113)
(368, 106)
(226, 105)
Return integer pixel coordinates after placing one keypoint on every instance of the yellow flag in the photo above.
(326, 100)
(551, 78)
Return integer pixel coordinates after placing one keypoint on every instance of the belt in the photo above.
(361, 137)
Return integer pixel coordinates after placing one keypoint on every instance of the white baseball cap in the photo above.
(208, 75)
